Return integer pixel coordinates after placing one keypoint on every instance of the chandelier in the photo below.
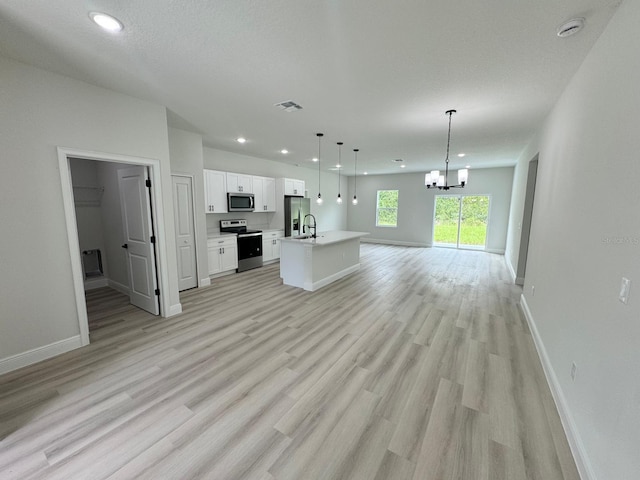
(435, 180)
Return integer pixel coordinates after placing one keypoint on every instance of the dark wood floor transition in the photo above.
(419, 366)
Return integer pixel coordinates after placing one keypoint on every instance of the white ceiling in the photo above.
(375, 74)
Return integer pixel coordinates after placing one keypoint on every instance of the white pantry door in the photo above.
(136, 219)
(185, 234)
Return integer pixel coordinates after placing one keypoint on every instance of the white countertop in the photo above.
(221, 234)
(326, 238)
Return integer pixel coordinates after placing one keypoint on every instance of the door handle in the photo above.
(125, 246)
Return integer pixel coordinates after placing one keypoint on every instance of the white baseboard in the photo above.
(38, 354)
(394, 242)
(311, 287)
(204, 282)
(174, 310)
(124, 289)
(575, 442)
(498, 251)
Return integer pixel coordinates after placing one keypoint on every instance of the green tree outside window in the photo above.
(387, 208)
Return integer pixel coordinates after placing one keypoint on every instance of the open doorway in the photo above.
(138, 223)
(461, 221)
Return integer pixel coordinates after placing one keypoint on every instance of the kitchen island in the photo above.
(312, 263)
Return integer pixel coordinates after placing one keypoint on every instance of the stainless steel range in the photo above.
(249, 243)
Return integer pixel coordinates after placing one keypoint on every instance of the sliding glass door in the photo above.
(460, 221)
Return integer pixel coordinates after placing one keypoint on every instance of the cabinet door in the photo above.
(267, 250)
(238, 182)
(229, 258)
(269, 194)
(288, 186)
(276, 243)
(214, 260)
(298, 187)
(245, 182)
(215, 192)
(258, 183)
(293, 187)
(276, 248)
(233, 185)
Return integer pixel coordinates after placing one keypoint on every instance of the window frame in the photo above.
(394, 209)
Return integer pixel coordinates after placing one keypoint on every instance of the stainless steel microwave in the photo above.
(240, 202)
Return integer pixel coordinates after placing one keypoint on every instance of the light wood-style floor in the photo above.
(419, 366)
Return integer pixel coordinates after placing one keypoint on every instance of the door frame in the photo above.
(157, 217)
(457, 245)
(193, 211)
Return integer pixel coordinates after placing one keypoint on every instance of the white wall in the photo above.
(585, 237)
(185, 149)
(40, 111)
(416, 203)
(330, 216)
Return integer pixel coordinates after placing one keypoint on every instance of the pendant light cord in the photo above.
(319, 138)
(446, 161)
(355, 174)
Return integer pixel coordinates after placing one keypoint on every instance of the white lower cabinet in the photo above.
(271, 245)
(223, 254)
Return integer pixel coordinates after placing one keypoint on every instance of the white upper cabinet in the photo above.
(239, 182)
(293, 187)
(215, 191)
(264, 190)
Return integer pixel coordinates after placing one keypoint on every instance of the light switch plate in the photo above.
(624, 290)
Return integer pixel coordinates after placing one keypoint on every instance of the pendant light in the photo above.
(319, 199)
(355, 177)
(435, 180)
(339, 199)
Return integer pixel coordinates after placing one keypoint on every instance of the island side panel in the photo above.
(293, 264)
(332, 262)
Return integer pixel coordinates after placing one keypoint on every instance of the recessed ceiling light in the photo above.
(467, 166)
(366, 173)
(338, 165)
(314, 159)
(241, 140)
(402, 166)
(106, 22)
(571, 27)
(284, 151)
(461, 155)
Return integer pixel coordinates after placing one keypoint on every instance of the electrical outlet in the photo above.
(574, 370)
(533, 290)
(623, 296)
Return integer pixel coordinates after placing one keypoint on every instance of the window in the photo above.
(387, 208)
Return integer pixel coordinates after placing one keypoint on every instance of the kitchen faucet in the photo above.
(304, 225)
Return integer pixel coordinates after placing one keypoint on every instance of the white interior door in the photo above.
(136, 218)
(185, 234)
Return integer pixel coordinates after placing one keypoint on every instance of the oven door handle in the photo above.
(242, 235)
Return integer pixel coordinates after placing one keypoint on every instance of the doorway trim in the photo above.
(64, 154)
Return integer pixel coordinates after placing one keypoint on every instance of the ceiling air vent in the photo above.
(571, 27)
(288, 106)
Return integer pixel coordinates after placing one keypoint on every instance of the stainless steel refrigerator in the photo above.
(295, 208)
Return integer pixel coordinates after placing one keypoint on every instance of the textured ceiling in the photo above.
(375, 74)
